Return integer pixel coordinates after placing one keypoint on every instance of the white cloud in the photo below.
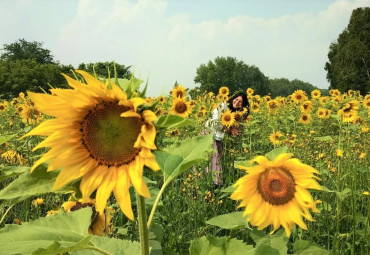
(170, 49)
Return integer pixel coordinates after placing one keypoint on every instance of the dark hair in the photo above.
(245, 102)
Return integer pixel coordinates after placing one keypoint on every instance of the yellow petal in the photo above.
(122, 194)
(105, 189)
(92, 180)
(135, 171)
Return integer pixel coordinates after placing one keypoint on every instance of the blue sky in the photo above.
(167, 40)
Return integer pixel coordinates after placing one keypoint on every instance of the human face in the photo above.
(238, 102)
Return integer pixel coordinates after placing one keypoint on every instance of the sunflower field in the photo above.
(100, 168)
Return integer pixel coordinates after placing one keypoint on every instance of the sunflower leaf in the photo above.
(110, 245)
(270, 244)
(234, 220)
(11, 171)
(6, 138)
(219, 245)
(54, 234)
(172, 121)
(30, 184)
(177, 158)
(276, 152)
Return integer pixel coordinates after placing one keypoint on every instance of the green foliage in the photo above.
(232, 220)
(177, 158)
(23, 50)
(106, 69)
(30, 184)
(173, 121)
(284, 87)
(349, 57)
(219, 246)
(28, 75)
(233, 73)
(69, 229)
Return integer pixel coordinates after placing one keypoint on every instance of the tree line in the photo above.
(28, 66)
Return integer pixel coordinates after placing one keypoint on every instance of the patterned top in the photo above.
(214, 123)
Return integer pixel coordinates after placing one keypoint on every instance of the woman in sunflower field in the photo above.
(224, 119)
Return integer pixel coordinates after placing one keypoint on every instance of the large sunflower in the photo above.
(99, 135)
(299, 96)
(275, 192)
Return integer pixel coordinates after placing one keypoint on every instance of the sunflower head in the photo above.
(272, 188)
(275, 137)
(250, 91)
(315, 93)
(299, 96)
(224, 91)
(305, 118)
(99, 135)
(178, 92)
(227, 118)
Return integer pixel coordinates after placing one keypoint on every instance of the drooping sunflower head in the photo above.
(306, 106)
(181, 107)
(99, 135)
(227, 118)
(273, 106)
(178, 92)
(349, 108)
(224, 91)
(272, 188)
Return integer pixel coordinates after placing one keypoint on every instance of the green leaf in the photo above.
(110, 245)
(232, 220)
(51, 234)
(343, 194)
(177, 158)
(6, 138)
(210, 245)
(229, 189)
(324, 138)
(270, 244)
(276, 152)
(11, 171)
(245, 163)
(173, 121)
(30, 184)
(312, 250)
(57, 248)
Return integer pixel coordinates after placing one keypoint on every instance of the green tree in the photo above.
(101, 69)
(228, 71)
(349, 57)
(21, 50)
(284, 87)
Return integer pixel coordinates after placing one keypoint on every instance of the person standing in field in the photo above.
(237, 107)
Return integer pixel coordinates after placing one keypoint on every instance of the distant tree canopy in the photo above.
(349, 57)
(23, 50)
(26, 66)
(228, 71)
(284, 87)
(101, 69)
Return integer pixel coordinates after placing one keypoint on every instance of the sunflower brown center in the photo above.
(180, 107)
(304, 117)
(276, 186)
(227, 117)
(108, 137)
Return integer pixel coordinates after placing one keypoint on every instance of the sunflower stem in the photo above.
(154, 208)
(143, 228)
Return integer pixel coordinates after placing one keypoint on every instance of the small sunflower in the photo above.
(299, 96)
(324, 100)
(161, 99)
(97, 135)
(321, 113)
(366, 104)
(227, 119)
(334, 92)
(306, 106)
(181, 107)
(315, 93)
(178, 91)
(250, 91)
(255, 107)
(275, 137)
(273, 106)
(275, 192)
(349, 109)
(4, 106)
(305, 118)
(224, 91)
